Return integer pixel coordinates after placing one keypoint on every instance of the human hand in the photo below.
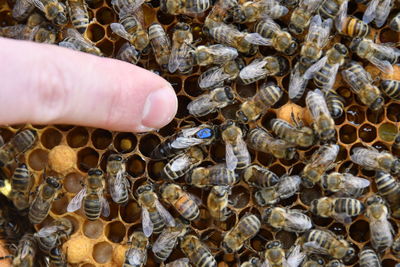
(47, 84)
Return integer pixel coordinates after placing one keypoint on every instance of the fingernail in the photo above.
(160, 108)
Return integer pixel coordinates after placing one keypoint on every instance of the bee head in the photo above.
(291, 48)
(95, 172)
(295, 29)
(53, 182)
(273, 244)
(241, 116)
(341, 48)
(230, 94)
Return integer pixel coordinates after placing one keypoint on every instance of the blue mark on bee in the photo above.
(205, 133)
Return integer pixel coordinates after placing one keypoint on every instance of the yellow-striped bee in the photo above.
(54, 234)
(352, 26)
(246, 228)
(369, 258)
(299, 134)
(290, 220)
(76, 41)
(161, 44)
(180, 200)
(332, 8)
(54, 10)
(210, 176)
(136, 254)
(57, 257)
(321, 161)
(371, 159)
(257, 105)
(21, 184)
(182, 262)
(77, 10)
(20, 143)
(40, 33)
(380, 228)
(344, 184)
(340, 209)
(252, 11)
(335, 104)
(217, 202)
(274, 255)
(118, 183)
(214, 54)
(260, 68)
(181, 57)
(197, 252)
(187, 7)
(377, 11)
(261, 140)
(183, 163)
(391, 88)
(126, 6)
(219, 13)
(91, 195)
(301, 16)
(258, 176)
(216, 76)
(210, 102)
(389, 188)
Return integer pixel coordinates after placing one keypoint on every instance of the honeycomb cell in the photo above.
(259, 241)
(135, 166)
(359, 231)
(50, 138)
(125, 142)
(287, 239)
(87, 158)
(78, 137)
(388, 36)
(95, 32)
(113, 211)
(342, 155)
(88, 265)
(346, 94)
(278, 169)
(106, 47)
(387, 132)
(92, 229)
(393, 112)
(240, 197)
(338, 229)
(246, 90)
(323, 222)
(38, 159)
(131, 212)
(203, 222)
(265, 121)
(6, 19)
(164, 18)
(102, 252)
(115, 231)
(64, 127)
(154, 169)
(355, 115)
(389, 263)
(375, 117)
(182, 108)
(191, 86)
(348, 134)
(176, 83)
(380, 146)
(217, 152)
(367, 133)
(101, 139)
(229, 112)
(59, 206)
(309, 194)
(228, 224)
(212, 238)
(265, 159)
(73, 182)
(147, 144)
(105, 15)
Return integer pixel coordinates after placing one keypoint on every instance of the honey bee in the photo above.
(258, 176)
(274, 255)
(77, 10)
(299, 135)
(261, 140)
(118, 183)
(197, 252)
(216, 76)
(218, 174)
(287, 187)
(382, 56)
(396, 248)
(378, 11)
(21, 184)
(252, 262)
(335, 104)
(340, 209)
(260, 68)
(313, 261)
(20, 143)
(136, 254)
(54, 10)
(371, 159)
(391, 88)
(182, 262)
(394, 24)
(236, 154)
(360, 82)
(369, 258)
(380, 228)
(209, 103)
(321, 161)
(257, 105)
(46, 194)
(186, 7)
(183, 163)
(301, 16)
(180, 200)
(57, 257)
(389, 188)
(214, 54)
(332, 8)
(154, 215)
(335, 263)
(128, 53)
(247, 227)
(168, 239)
(122, 7)
(252, 11)
(37, 33)
(244, 42)
(25, 254)
(290, 220)
(54, 234)
(203, 134)
(220, 13)
(181, 57)
(91, 195)
(76, 41)
(327, 243)
(22, 9)
(352, 26)
(161, 44)
(131, 29)
(344, 184)
(217, 202)
(281, 40)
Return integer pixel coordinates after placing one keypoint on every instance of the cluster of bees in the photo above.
(227, 25)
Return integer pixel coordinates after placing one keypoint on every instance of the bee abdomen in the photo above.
(335, 104)
(158, 222)
(187, 208)
(349, 206)
(57, 258)
(197, 6)
(391, 88)
(24, 140)
(386, 184)
(369, 258)
(92, 208)
(395, 23)
(37, 215)
(204, 258)
(329, 9)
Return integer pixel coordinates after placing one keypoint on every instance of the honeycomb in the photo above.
(103, 242)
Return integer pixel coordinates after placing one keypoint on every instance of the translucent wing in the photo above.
(135, 256)
(231, 159)
(178, 262)
(297, 84)
(241, 148)
(310, 72)
(212, 78)
(341, 16)
(165, 214)
(173, 62)
(201, 106)
(180, 162)
(324, 32)
(68, 45)
(72, 32)
(326, 155)
(383, 65)
(38, 4)
(317, 97)
(352, 79)
(295, 221)
(354, 181)
(166, 237)
(185, 142)
(266, 263)
(257, 39)
(315, 248)
(219, 49)
(21, 9)
(295, 257)
(185, 49)
(147, 224)
(365, 157)
(383, 9)
(270, 24)
(117, 186)
(277, 9)
(105, 207)
(47, 230)
(76, 202)
(342, 218)
(315, 27)
(331, 80)
(381, 230)
(119, 30)
(370, 12)
(25, 251)
(254, 69)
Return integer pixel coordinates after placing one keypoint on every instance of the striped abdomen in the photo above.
(167, 248)
(391, 88)
(321, 78)
(335, 104)
(196, 6)
(160, 43)
(264, 30)
(267, 96)
(92, 206)
(79, 14)
(187, 207)
(349, 206)
(368, 258)
(329, 9)
(157, 220)
(221, 176)
(284, 130)
(39, 210)
(248, 226)
(21, 179)
(203, 258)
(57, 257)
(354, 27)
(386, 184)
(322, 238)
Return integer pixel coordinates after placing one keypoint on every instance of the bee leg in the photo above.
(60, 196)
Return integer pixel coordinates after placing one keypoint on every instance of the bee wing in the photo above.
(25, 251)
(370, 12)
(135, 256)
(178, 262)
(310, 5)
(201, 106)
(380, 230)
(295, 257)
(324, 32)
(316, 96)
(68, 45)
(119, 30)
(297, 84)
(257, 39)
(342, 218)
(173, 62)
(314, 247)
(315, 26)
(353, 80)
(215, 77)
(21, 7)
(219, 49)
(185, 142)
(383, 9)
(164, 238)
(270, 24)
(147, 224)
(310, 72)
(254, 69)
(325, 155)
(180, 162)
(38, 4)
(265, 263)
(295, 220)
(105, 207)
(354, 181)
(117, 185)
(231, 159)
(368, 157)
(383, 65)
(341, 16)
(331, 80)
(47, 230)
(76, 202)
(72, 32)
(165, 214)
